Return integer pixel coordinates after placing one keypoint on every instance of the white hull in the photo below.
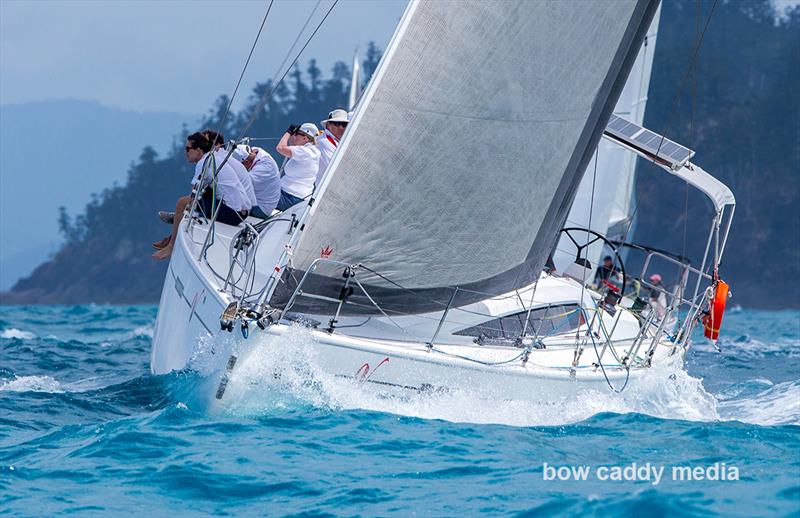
(187, 334)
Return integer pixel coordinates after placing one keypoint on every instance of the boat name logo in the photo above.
(325, 252)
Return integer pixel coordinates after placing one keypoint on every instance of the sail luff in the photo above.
(365, 102)
(614, 84)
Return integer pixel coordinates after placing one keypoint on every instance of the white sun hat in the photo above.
(241, 152)
(337, 115)
(309, 130)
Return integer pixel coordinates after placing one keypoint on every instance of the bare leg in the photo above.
(180, 207)
(158, 245)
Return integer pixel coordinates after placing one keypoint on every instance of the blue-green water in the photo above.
(85, 429)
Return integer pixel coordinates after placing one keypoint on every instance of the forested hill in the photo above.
(740, 110)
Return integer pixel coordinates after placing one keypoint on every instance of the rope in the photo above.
(691, 144)
(600, 361)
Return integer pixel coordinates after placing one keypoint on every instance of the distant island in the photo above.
(61, 127)
(739, 109)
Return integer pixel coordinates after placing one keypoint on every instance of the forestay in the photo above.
(465, 153)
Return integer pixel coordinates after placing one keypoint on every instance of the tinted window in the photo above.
(543, 322)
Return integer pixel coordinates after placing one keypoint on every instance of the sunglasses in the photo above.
(342, 124)
(189, 148)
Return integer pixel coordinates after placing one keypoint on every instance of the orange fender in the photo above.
(712, 322)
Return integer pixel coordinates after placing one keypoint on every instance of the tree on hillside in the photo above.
(106, 253)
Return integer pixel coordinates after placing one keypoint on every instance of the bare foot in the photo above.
(158, 245)
(164, 253)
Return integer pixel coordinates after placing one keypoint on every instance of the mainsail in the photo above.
(465, 153)
(610, 175)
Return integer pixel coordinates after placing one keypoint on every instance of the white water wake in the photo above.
(13, 332)
(282, 372)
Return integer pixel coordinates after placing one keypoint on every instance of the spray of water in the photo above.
(275, 372)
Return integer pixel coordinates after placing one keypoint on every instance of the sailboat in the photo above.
(420, 262)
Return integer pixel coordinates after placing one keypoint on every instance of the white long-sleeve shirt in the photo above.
(327, 144)
(229, 188)
(241, 173)
(266, 178)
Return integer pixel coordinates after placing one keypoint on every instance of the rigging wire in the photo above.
(598, 311)
(294, 43)
(588, 235)
(265, 98)
(244, 69)
(673, 109)
(693, 106)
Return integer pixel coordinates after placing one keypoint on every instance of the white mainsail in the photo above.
(612, 171)
(464, 155)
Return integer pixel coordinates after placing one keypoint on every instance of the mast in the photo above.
(355, 83)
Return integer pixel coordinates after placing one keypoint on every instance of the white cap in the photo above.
(337, 115)
(308, 129)
(241, 152)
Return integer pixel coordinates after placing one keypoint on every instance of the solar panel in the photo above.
(659, 147)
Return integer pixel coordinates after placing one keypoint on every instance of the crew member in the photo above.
(334, 125)
(265, 175)
(300, 171)
(229, 193)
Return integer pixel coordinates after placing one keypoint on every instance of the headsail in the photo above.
(466, 151)
(613, 169)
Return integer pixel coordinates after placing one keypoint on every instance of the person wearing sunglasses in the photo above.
(231, 197)
(298, 144)
(334, 125)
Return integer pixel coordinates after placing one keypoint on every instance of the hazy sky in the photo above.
(169, 55)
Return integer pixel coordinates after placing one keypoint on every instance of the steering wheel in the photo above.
(596, 237)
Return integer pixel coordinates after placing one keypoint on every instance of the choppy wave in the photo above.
(32, 384)
(17, 333)
(84, 428)
(773, 404)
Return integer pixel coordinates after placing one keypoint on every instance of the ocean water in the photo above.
(86, 430)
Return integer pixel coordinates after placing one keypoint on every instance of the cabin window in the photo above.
(543, 322)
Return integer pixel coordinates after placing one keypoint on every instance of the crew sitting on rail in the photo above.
(300, 171)
(217, 140)
(233, 204)
(334, 125)
(241, 171)
(266, 178)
